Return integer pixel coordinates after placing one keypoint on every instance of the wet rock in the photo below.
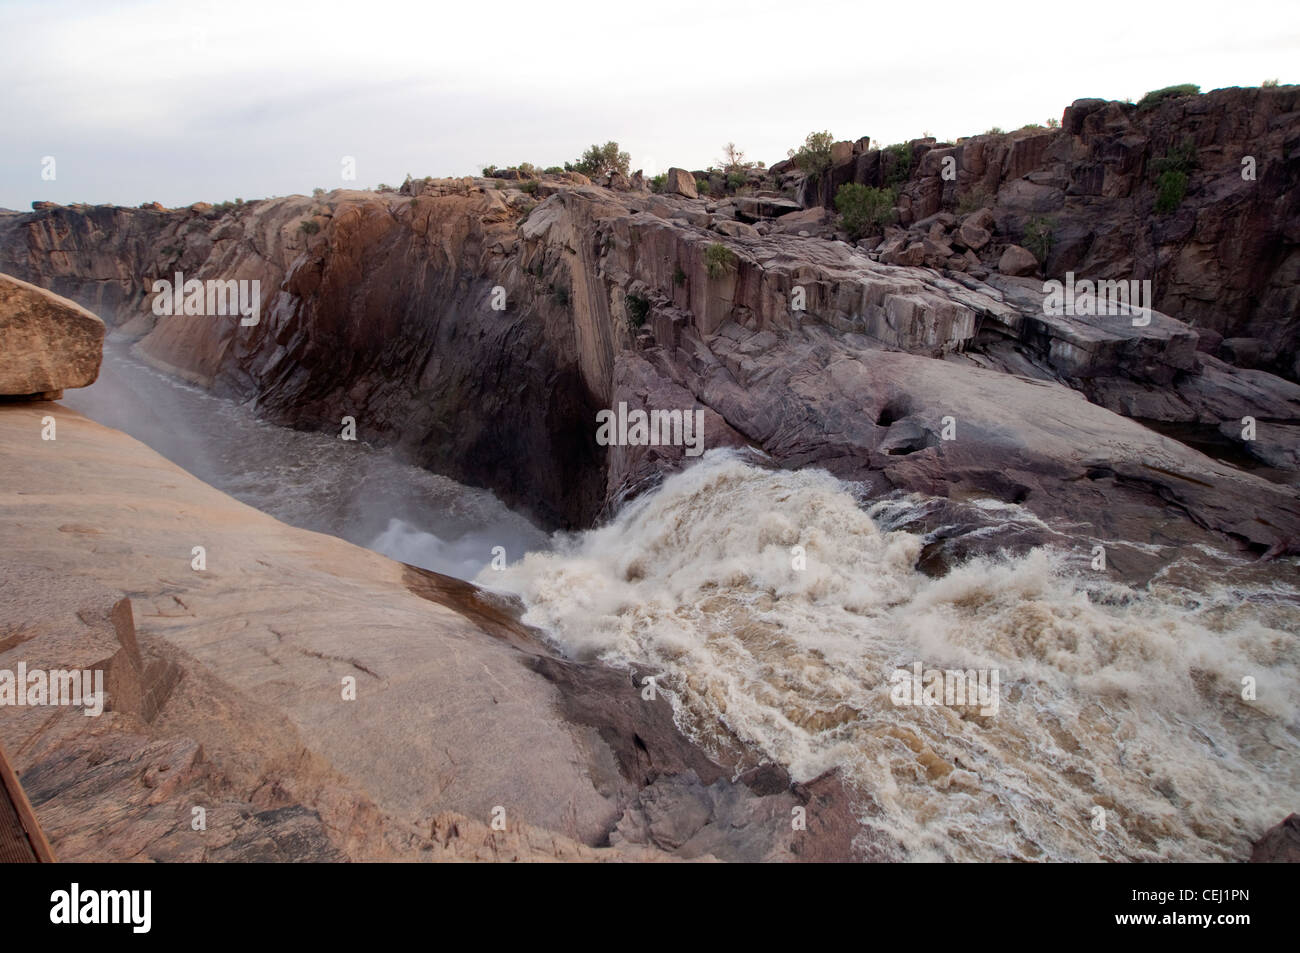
(1280, 844)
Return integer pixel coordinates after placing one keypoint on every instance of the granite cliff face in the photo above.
(1226, 260)
(381, 307)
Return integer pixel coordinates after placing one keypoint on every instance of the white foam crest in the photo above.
(1109, 698)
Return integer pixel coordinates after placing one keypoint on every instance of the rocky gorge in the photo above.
(918, 360)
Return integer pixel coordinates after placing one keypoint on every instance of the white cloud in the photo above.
(180, 102)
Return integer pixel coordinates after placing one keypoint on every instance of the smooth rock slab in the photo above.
(47, 342)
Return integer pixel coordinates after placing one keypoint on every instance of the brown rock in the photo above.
(913, 254)
(972, 236)
(1280, 844)
(48, 342)
(680, 182)
(1017, 261)
(735, 229)
(812, 218)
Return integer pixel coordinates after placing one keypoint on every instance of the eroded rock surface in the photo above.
(47, 342)
(228, 686)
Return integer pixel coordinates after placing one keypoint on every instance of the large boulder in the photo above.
(1017, 261)
(681, 182)
(48, 342)
(973, 234)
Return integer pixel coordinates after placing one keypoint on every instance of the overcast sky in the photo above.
(180, 101)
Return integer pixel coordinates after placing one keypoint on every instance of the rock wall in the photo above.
(480, 327)
(1226, 259)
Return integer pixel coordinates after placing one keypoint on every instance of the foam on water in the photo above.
(1110, 697)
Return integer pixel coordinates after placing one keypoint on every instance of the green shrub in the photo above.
(602, 160)
(1179, 158)
(736, 180)
(1038, 238)
(529, 186)
(1053, 123)
(553, 170)
(864, 209)
(702, 186)
(1269, 84)
(308, 227)
(901, 169)
(977, 198)
(1157, 96)
(658, 182)
(318, 193)
(814, 156)
(489, 171)
(719, 259)
(679, 276)
(528, 169)
(638, 306)
(1172, 171)
(560, 294)
(1170, 189)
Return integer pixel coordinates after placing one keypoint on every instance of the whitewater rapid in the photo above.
(775, 607)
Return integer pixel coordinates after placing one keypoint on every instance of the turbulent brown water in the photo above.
(1129, 701)
(315, 481)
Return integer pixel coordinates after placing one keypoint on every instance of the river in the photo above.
(349, 489)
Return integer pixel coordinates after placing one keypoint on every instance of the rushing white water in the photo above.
(1109, 698)
(315, 481)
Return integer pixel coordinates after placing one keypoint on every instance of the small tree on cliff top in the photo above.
(603, 160)
(733, 159)
(814, 156)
